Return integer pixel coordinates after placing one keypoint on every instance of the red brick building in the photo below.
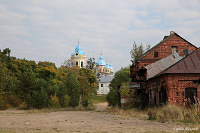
(169, 45)
(178, 83)
(167, 72)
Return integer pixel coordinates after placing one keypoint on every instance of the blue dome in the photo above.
(107, 65)
(111, 67)
(101, 61)
(78, 50)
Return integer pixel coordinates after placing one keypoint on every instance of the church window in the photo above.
(76, 63)
(156, 54)
(101, 85)
(81, 64)
(76, 53)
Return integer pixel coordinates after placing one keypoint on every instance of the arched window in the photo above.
(76, 63)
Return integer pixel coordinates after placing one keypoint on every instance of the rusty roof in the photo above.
(161, 42)
(189, 64)
(159, 66)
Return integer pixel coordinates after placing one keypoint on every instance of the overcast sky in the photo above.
(47, 30)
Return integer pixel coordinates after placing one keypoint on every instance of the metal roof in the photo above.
(78, 50)
(101, 62)
(159, 66)
(106, 79)
(189, 64)
(107, 66)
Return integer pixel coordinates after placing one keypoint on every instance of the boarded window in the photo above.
(156, 54)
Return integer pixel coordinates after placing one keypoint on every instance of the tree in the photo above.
(121, 76)
(137, 51)
(73, 86)
(88, 85)
(67, 63)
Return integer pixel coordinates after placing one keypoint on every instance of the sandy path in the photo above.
(76, 121)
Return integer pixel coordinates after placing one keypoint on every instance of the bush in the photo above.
(54, 102)
(2, 103)
(12, 100)
(39, 99)
(64, 101)
(22, 105)
(112, 97)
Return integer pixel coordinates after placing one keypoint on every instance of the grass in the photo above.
(133, 112)
(98, 99)
(173, 113)
(176, 113)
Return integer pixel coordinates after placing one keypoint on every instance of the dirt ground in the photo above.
(77, 121)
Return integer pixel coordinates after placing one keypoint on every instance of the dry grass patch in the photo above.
(133, 113)
(175, 113)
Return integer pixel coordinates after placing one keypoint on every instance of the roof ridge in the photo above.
(165, 39)
(157, 44)
(177, 62)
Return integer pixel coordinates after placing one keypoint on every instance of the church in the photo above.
(78, 58)
(104, 70)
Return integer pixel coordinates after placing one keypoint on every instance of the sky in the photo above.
(48, 30)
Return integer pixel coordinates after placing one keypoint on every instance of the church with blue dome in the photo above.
(104, 68)
(78, 58)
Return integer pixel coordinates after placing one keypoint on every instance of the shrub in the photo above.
(54, 102)
(39, 99)
(2, 103)
(12, 100)
(64, 101)
(112, 97)
(22, 105)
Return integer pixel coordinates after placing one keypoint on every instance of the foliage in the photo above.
(2, 103)
(113, 97)
(91, 64)
(26, 84)
(64, 101)
(54, 102)
(137, 51)
(121, 76)
(72, 85)
(39, 99)
(88, 85)
(127, 93)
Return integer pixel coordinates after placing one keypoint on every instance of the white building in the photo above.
(104, 83)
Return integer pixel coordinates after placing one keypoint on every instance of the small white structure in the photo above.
(104, 83)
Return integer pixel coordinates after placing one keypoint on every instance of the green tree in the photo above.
(137, 51)
(73, 86)
(121, 76)
(88, 85)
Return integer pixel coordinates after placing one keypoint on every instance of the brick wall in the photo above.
(174, 85)
(164, 49)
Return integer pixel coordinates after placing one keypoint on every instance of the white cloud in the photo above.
(48, 29)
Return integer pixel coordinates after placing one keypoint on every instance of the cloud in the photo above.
(48, 29)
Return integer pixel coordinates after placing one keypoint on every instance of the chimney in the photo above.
(172, 32)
